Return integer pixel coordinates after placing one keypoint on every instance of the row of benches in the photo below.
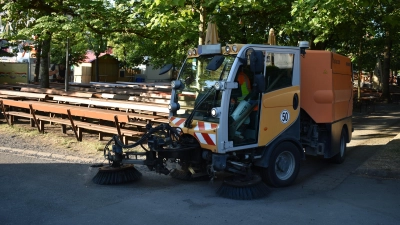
(88, 107)
(131, 95)
(158, 106)
(78, 118)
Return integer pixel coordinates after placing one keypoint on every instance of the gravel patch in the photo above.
(53, 144)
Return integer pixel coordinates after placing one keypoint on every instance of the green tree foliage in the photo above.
(162, 31)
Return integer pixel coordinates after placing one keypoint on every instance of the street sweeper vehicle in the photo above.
(248, 111)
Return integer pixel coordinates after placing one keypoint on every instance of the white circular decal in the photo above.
(285, 116)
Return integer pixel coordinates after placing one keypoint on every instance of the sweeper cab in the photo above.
(251, 111)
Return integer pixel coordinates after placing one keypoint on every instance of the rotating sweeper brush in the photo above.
(170, 145)
(243, 187)
(115, 172)
(121, 169)
(116, 175)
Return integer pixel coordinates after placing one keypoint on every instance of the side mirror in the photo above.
(165, 69)
(257, 62)
(259, 83)
(215, 62)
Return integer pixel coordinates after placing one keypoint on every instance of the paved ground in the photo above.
(381, 127)
(40, 189)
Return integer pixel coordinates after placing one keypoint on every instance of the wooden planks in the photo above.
(107, 87)
(68, 110)
(51, 91)
(143, 104)
(24, 94)
(147, 84)
(134, 106)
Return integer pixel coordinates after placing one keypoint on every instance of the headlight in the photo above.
(176, 84)
(227, 49)
(215, 112)
(174, 106)
(192, 52)
(234, 48)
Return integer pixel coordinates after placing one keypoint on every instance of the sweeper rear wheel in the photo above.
(242, 187)
(116, 175)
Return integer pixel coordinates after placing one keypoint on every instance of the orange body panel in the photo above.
(326, 87)
(273, 104)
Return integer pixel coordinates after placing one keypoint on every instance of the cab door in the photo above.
(280, 103)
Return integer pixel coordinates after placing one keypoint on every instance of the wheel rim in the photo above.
(284, 165)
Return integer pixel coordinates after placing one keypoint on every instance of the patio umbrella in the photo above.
(212, 34)
(271, 37)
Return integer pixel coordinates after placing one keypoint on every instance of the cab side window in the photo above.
(279, 71)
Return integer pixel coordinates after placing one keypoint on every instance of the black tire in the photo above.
(340, 157)
(284, 165)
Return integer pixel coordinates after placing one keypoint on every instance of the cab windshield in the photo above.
(198, 92)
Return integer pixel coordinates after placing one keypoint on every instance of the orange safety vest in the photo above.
(244, 85)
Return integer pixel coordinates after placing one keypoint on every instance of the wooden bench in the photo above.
(110, 88)
(36, 96)
(124, 134)
(113, 96)
(9, 116)
(35, 119)
(52, 91)
(133, 106)
(11, 97)
(147, 84)
(133, 84)
(130, 91)
(102, 114)
(65, 111)
(134, 98)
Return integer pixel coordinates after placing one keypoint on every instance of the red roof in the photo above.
(90, 56)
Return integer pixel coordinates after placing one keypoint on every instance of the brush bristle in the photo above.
(234, 189)
(119, 175)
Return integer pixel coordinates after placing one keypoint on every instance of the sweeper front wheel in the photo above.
(242, 187)
(284, 165)
(116, 175)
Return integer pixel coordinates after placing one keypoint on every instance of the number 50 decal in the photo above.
(285, 116)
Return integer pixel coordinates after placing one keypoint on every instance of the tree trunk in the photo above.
(202, 25)
(97, 67)
(386, 68)
(67, 67)
(359, 71)
(37, 66)
(44, 64)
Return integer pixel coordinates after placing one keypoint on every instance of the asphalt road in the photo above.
(35, 191)
(39, 191)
